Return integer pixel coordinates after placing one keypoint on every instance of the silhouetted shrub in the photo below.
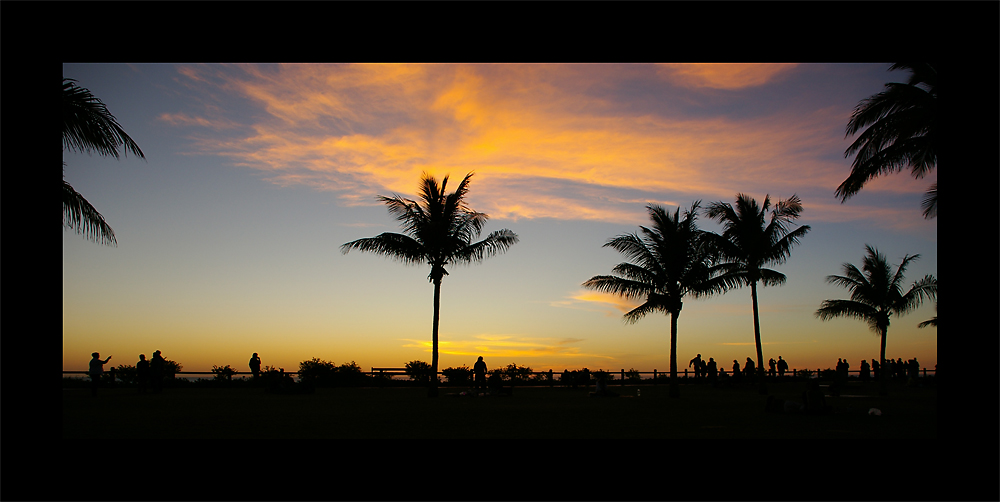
(599, 374)
(223, 373)
(458, 376)
(516, 375)
(632, 375)
(804, 373)
(828, 374)
(419, 371)
(125, 373)
(319, 373)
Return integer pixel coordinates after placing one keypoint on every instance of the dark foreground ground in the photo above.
(372, 413)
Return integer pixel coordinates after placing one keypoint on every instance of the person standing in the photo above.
(697, 365)
(782, 367)
(875, 369)
(96, 369)
(748, 369)
(864, 371)
(771, 367)
(479, 370)
(254, 365)
(142, 373)
(712, 369)
(156, 367)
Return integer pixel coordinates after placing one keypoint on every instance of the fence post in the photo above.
(654, 376)
(550, 377)
(623, 377)
(685, 373)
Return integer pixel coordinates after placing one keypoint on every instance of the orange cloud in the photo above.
(541, 147)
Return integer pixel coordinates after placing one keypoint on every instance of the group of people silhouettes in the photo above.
(710, 370)
(147, 373)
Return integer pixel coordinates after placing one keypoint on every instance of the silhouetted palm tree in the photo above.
(88, 126)
(749, 243)
(901, 131)
(877, 294)
(668, 261)
(438, 231)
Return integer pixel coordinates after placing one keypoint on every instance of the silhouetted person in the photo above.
(900, 367)
(156, 368)
(712, 369)
(479, 371)
(748, 369)
(142, 373)
(736, 371)
(96, 369)
(697, 365)
(782, 367)
(875, 369)
(771, 364)
(254, 365)
(865, 375)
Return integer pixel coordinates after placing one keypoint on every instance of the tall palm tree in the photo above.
(438, 230)
(901, 131)
(877, 294)
(88, 127)
(668, 261)
(749, 243)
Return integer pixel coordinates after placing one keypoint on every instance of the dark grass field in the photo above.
(701, 412)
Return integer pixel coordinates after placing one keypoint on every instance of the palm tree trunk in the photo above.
(882, 377)
(674, 391)
(432, 389)
(756, 334)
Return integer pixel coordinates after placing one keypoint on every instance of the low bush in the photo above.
(458, 376)
(419, 371)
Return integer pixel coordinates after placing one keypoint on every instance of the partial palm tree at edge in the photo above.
(88, 126)
(438, 230)
(901, 132)
(877, 294)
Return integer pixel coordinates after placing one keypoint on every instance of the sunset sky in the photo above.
(229, 232)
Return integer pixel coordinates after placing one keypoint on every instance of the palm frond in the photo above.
(89, 126)
(929, 203)
(831, 309)
(81, 216)
(626, 288)
(391, 245)
(495, 243)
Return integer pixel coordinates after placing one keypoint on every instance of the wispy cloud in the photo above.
(501, 346)
(543, 144)
(593, 301)
(724, 75)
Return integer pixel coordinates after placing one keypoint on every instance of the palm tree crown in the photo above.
(670, 260)
(88, 126)
(901, 131)
(877, 293)
(749, 243)
(438, 230)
